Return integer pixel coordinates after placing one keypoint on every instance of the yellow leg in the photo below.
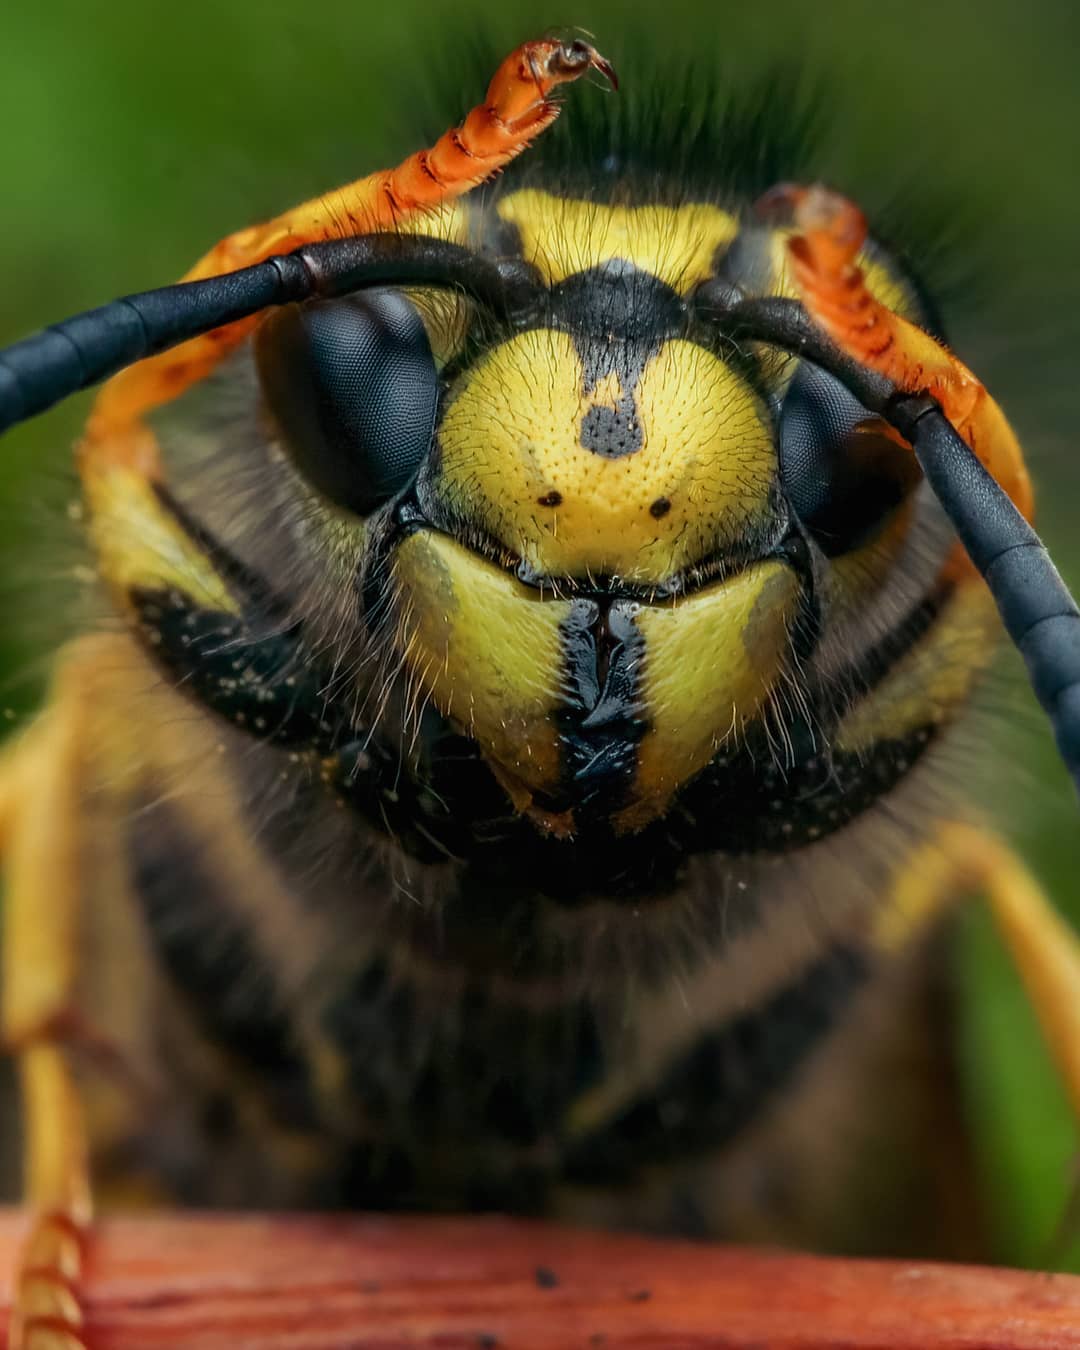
(41, 780)
(1045, 950)
(518, 107)
(46, 1311)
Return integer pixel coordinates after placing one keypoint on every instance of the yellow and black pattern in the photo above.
(579, 767)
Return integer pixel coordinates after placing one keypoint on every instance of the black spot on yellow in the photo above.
(612, 432)
(659, 508)
(551, 498)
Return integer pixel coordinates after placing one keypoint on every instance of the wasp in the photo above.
(547, 592)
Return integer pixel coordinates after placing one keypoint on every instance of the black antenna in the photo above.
(42, 370)
(1036, 607)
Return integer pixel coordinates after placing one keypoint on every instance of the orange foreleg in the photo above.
(829, 233)
(517, 108)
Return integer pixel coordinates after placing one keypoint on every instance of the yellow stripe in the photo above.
(932, 679)
(139, 544)
(487, 649)
(710, 662)
(678, 244)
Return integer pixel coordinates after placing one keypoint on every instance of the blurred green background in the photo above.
(133, 134)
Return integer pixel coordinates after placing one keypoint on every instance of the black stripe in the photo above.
(246, 585)
(209, 958)
(600, 722)
(263, 683)
(861, 676)
(727, 1080)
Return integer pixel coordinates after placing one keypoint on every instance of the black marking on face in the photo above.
(613, 432)
(616, 302)
(602, 725)
(618, 317)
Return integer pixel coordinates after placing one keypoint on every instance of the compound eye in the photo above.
(841, 477)
(353, 389)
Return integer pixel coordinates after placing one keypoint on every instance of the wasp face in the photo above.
(576, 593)
(599, 591)
(590, 537)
